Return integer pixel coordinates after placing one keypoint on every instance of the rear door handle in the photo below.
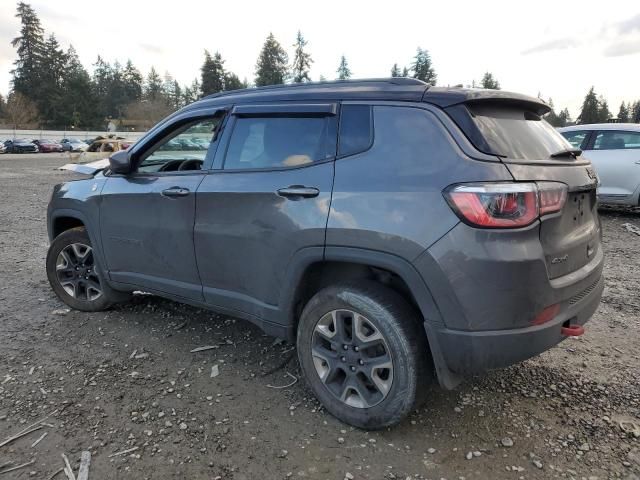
(175, 192)
(299, 191)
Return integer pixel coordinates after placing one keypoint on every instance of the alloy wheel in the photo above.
(76, 272)
(352, 358)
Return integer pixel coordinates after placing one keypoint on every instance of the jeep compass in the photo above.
(397, 232)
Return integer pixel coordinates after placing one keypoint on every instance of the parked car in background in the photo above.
(614, 151)
(48, 146)
(108, 145)
(73, 145)
(397, 232)
(21, 145)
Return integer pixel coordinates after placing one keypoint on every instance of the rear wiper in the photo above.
(570, 152)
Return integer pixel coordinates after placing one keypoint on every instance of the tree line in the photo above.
(50, 86)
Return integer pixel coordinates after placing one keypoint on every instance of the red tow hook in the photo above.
(572, 331)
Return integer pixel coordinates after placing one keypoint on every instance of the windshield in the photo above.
(518, 134)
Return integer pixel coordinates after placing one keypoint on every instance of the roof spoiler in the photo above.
(448, 97)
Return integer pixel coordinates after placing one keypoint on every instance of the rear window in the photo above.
(517, 134)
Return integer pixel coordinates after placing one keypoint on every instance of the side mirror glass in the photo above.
(120, 162)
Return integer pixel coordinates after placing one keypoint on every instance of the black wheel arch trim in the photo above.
(395, 264)
(89, 226)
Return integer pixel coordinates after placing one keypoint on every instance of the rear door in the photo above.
(266, 199)
(615, 154)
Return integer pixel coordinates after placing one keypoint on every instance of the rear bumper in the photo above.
(468, 352)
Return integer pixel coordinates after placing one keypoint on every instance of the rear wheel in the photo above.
(364, 354)
(75, 276)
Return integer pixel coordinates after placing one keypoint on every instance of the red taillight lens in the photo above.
(505, 205)
(552, 196)
(498, 205)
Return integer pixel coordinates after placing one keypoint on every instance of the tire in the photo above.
(74, 275)
(390, 335)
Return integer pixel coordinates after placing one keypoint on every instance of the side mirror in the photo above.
(120, 162)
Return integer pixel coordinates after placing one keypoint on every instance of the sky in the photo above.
(558, 49)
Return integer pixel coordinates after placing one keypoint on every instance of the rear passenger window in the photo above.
(617, 140)
(276, 142)
(355, 129)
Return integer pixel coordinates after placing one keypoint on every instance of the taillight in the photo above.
(552, 196)
(505, 205)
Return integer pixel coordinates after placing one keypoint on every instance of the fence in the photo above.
(57, 135)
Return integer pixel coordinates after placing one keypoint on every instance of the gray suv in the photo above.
(399, 233)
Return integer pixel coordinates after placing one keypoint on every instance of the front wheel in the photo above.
(364, 354)
(75, 276)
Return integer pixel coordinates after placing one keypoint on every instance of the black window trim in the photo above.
(286, 110)
(595, 135)
(292, 110)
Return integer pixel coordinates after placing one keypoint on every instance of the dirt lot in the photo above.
(126, 380)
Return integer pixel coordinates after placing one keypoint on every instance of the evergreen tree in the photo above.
(422, 67)
(232, 82)
(30, 50)
(395, 70)
(551, 117)
(344, 72)
(212, 73)
(488, 81)
(77, 108)
(271, 68)
(171, 91)
(102, 74)
(191, 92)
(564, 117)
(635, 112)
(52, 67)
(603, 112)
(132, 82)
(153, 86)
(301, 61)
(405, 72)
(117, 99)
(623, 113)
(2, 106)
(590, 112)
(322, 78)
(177, 96)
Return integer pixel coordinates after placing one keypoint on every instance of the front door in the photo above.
(267, 198)
(147, 216)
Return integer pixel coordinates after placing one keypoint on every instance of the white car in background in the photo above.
(614, 151)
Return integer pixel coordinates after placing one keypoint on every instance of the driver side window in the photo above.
(183, 149)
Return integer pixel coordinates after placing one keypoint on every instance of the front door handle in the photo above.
(175, 192)
(298, 191)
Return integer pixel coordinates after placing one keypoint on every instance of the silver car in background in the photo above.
(614, 151)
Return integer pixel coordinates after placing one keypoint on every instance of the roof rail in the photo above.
(364, 81)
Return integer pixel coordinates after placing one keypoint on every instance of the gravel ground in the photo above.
(125, 380)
